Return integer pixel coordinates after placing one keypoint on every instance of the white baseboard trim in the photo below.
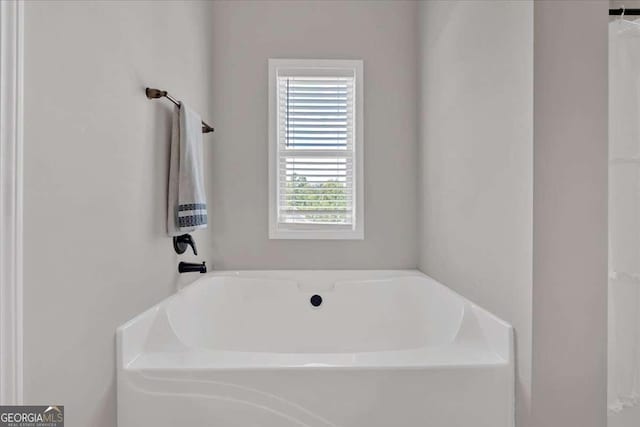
(11, 122)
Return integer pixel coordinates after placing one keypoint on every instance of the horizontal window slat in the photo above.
(318, 211)
(294, 204)
(314, 190)
(316, 106)
(338, 196)
(305, 115)
(312, 127)
(291, 191)
(327, 203)
(316, 122)
(296, 185)
(292, 153)
(329, 161)
(316, 94)
(317, 147)
(316, 165)
(313, 114)
(312, 90)
(304, 190)
(328, 103)
(321, 222)
(315, 86)
(292, 186)
(324, 123)
(323, 106)
(316, 132)
(329, 192)
(297, 88)
(303, 206)
(316, 81)
(293, 107)
(325, 126)
(322, 167)
(318, 138)
(317, 181)
(303, 137)
(320, 123)
(289, 174)
(326, 145)
(301, 213)
(309, 170)
(325, 159)
(310, 202)
(331, 87)
(335, 200)
(305, 170)
(329, 96)
(292, 131)
(309, 87)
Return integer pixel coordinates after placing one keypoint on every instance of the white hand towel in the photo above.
(187, 203)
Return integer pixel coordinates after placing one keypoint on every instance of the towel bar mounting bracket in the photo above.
(158, 93)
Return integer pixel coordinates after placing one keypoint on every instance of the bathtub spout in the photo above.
(190, 267)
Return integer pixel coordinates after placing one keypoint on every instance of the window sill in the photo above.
(329, 234)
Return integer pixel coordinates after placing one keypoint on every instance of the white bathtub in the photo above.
(384, 349)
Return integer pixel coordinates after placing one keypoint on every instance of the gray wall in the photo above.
(570, 214)
(245, 35)
(95, 183)
(476, 160)
(96, 162)
(513, 186)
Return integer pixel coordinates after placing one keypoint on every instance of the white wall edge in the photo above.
(11, 168)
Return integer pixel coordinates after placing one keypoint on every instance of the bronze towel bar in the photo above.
(157, 93)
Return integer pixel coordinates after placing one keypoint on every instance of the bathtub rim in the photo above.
(255, 274)
(499, 335)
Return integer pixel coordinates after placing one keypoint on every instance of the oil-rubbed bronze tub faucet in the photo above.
(191, 267)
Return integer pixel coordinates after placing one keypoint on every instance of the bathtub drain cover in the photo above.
(316, 300)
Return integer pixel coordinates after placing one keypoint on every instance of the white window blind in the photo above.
(316, 149)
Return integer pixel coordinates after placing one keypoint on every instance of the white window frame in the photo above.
(316, 231)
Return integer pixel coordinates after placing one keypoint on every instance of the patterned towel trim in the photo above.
(192, 215)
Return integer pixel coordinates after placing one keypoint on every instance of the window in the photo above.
(315, 149)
